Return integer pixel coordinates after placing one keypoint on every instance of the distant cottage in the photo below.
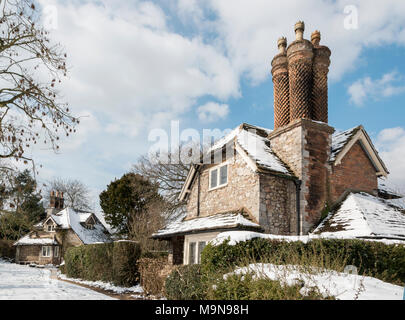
(282, 181)
(62, 228)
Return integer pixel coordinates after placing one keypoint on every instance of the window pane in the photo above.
(43, 251)
(56, 252)
(223, 175)
(214, 178)
(191, 253)
(201, 246)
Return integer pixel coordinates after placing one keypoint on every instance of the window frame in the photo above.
(48, 252)
(218, 168)
(56, 251)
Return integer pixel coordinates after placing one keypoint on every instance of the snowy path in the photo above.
(26, 283)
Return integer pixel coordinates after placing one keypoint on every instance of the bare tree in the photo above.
(170, 174)
(76, 194)
(31, 68)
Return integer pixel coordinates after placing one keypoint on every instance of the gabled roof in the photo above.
(342, 142)
(231, 220)
(252, 144)
(362, 215)
(68, 218)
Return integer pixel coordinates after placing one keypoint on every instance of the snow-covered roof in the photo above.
(255, 143)
(364, 216)
(28, 241)
(339, 141)
(386, 187)
(68, 218)
(214, 222)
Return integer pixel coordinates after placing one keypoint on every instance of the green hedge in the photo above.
(186, 283)
(385, 262)
(110, 262)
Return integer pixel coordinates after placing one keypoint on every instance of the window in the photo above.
(194, 251)
(56, 252)
(219, 176)
(51, 228)
(191, 253)
(201, 246)
(46, 251)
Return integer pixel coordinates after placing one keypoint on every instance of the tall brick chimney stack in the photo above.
(320, 79)
(300, 56)
(279, 72)
(56, 203)
(304, 142)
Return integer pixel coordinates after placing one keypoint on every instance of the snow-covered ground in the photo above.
(342, 286)
(27, 283)
(106, 286)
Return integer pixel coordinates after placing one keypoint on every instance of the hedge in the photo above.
(110, 262)
(186, 283)
(372, 258)
(6, 249)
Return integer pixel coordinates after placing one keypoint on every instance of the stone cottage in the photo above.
(277, 181)
(61, 229)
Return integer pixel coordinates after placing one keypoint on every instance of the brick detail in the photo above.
(319, 95)
(300, 55)
(355, 172)
(281, 90)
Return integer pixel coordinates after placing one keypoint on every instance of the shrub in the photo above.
(125, 258)
(6, 249)
(153, 273)
(385, 262)
(245, 287)
(110, 262)
(186, 283)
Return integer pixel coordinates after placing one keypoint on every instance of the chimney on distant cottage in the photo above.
(56, 202)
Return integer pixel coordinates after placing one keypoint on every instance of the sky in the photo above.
(136, 66)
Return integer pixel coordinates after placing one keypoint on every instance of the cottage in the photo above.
(279, 181)
(62, 228)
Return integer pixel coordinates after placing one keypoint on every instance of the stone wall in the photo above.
(355, 172)
(242, 191)
(278, 209)
(32, 254)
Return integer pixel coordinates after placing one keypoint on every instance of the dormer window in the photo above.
(218, 177)
(51, 228)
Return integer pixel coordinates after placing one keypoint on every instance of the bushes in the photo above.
(385, 262)
(6, 249)
(153, 272)
(186, 283)
(110, 262)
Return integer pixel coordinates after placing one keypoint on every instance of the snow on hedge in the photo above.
(342, 286)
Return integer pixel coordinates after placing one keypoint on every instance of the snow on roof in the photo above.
(28, 241)
(364, 216)
(340, 139)
(386, 186)
(68, 218)
(214, 222)
(254, 141)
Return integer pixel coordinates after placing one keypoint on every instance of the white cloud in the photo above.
(212, 111)
(388, 85)
(391, 145)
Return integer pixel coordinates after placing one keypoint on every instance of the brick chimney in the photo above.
(320, 69)
(56, 203)
(279, 73)
(304, 142)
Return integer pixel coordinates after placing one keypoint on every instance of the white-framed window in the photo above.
(194, 251)
(51, 228)
(56, 252)
(46, 251)
(218, 177)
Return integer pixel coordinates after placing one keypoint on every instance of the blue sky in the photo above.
(137, 65)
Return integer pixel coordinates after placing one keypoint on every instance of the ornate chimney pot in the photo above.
(282, 45)
(299, 29)
(316, 38)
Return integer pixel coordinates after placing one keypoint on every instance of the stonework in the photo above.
(355, 172)
(242, 191)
